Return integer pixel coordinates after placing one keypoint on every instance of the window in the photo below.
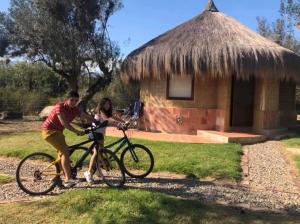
(180, 87)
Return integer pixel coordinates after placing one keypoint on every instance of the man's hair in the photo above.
(73, 94)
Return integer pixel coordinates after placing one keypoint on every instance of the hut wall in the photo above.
(182, 116)
(287, 104)
(274, 106)
(266, 105)
(223, 104)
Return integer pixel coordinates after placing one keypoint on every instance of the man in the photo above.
(52, 130)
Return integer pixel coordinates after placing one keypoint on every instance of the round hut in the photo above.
(213, 73)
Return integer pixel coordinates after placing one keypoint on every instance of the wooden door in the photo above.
(242, 103)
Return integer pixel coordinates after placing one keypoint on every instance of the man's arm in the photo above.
(62, 119)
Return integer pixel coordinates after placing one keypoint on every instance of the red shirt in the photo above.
(53, 123)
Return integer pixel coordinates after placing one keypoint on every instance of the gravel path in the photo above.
(268, 167)
(270, 185)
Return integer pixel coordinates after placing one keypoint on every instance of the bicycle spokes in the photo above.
(37, 173)
(137, 161)
(110, 168)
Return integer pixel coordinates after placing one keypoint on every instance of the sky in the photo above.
(142, 20)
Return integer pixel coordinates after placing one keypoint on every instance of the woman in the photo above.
(103, 113)
(60, 118)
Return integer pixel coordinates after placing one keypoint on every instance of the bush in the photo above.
(121, 93)
(34, 103)
(10, 99)
(28, 88)
(18, 100)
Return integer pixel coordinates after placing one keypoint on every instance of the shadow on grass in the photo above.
(193, 190)
(139, 206)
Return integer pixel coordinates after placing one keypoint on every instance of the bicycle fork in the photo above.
(133, 154)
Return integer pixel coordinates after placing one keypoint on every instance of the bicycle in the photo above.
(136, 159)
(39, 173)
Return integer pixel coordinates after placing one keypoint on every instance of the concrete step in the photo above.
(295, 128)
(231, 137)
(284, 135)
(213, 136)
(278, 134)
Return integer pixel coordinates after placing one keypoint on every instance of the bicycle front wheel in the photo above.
(110, 168)
(137, 161)
(38, 174)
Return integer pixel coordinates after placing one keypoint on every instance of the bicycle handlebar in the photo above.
(124, 126)
(121, 126)
(98, 125)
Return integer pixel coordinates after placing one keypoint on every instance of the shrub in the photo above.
(121, 93)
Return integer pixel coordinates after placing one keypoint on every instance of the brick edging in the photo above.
(245, 167)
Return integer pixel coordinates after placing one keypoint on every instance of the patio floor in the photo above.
(203, 137)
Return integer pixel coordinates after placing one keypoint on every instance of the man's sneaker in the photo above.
(88, 176)
(70, 183)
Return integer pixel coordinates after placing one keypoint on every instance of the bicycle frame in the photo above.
(122, 142)
(85, 155)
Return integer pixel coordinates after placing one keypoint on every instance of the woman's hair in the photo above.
(101, 108)
(73, 94)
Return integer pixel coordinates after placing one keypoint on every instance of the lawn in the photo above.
(5, 179)
(128, 206)
(294, 143)
(297, 161)
(215, 160)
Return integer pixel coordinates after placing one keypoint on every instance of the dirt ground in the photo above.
(17, 126)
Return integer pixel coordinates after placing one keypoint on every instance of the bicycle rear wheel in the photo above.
(38, 174)
(137, 161)
(110, 168)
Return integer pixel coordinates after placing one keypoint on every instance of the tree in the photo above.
(69, 36)
(32, 78)
(292, 9)
(282, 30)
(27, 88)
(3, 35)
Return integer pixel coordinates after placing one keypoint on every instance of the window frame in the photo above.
(180, 98)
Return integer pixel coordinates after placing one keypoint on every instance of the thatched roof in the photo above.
(212, 44)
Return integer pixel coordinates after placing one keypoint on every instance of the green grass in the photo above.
(128, 206)
(292, 142)
(5, 179)
(220, 161)
(297, 161)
